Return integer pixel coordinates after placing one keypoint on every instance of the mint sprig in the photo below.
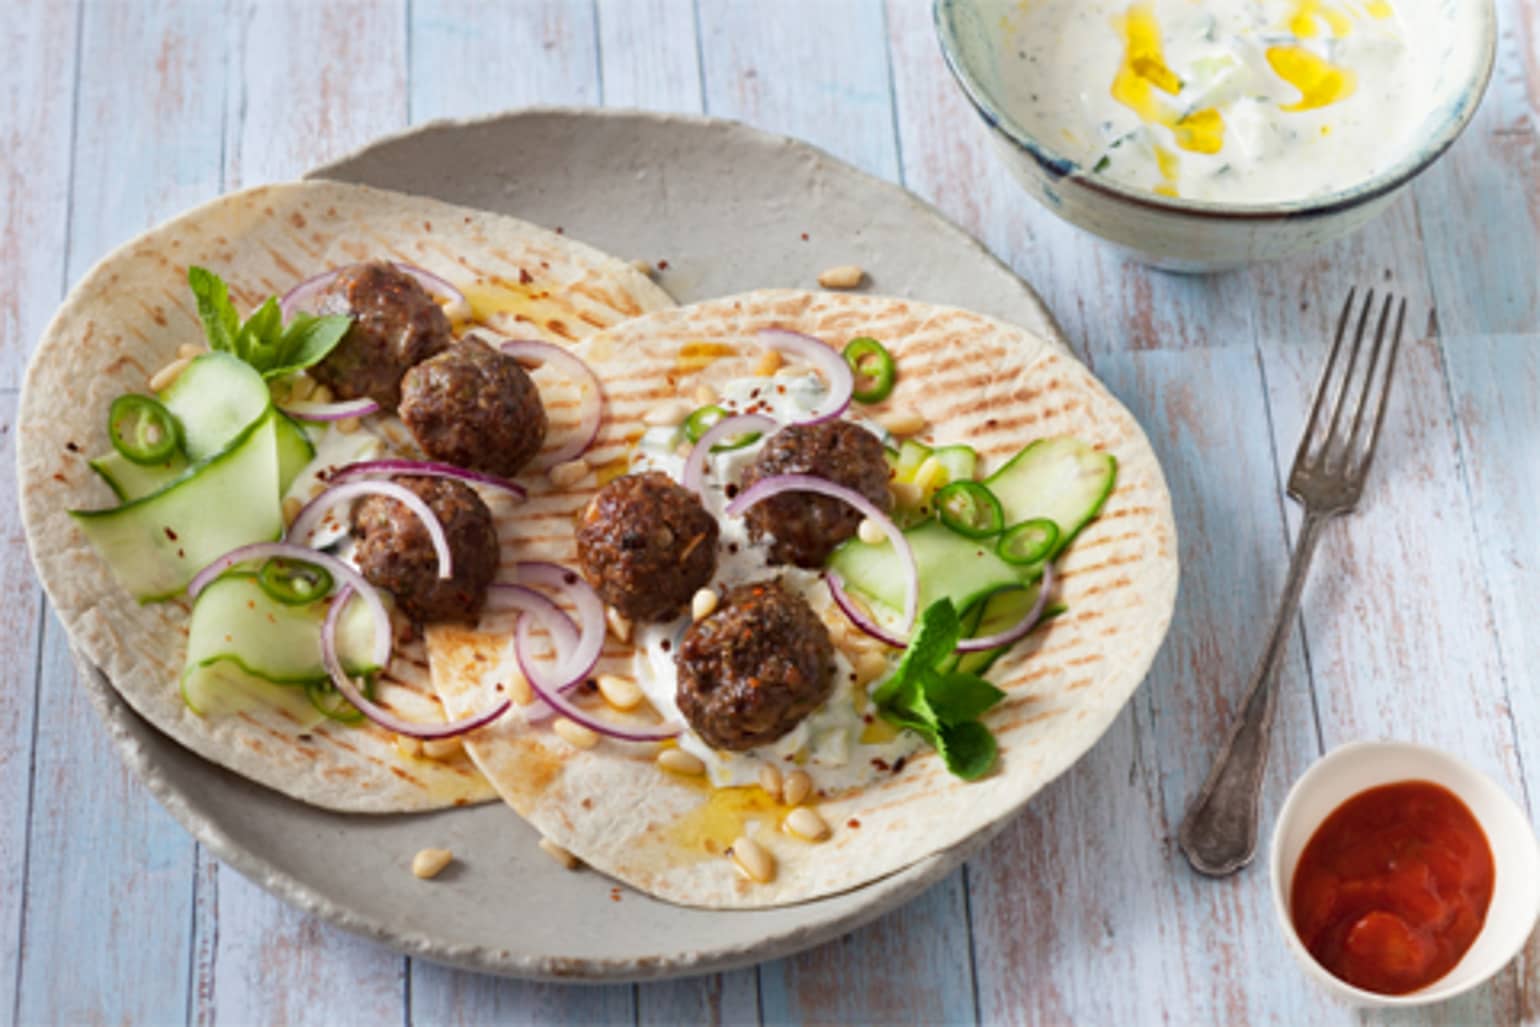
(263, 340)
(943, 707)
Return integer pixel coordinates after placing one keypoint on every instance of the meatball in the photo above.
(646, 544)
(396, 324)
(752, 670)
(476, 407)
(804, 528)
(395, 553)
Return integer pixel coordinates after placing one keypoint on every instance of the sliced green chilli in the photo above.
(970, 509)
(704, 419)
(323, 695)
(1029, 542)
(142, 429)
(294, 582)
(873, 367)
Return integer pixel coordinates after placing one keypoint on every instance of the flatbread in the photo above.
(126, 319)
(975, 380)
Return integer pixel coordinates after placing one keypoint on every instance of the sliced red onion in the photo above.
(340, 571)
(829, 362)
(533, 605)
(306, 411)
(591, 407)
(424, 469)
(310, 517)
(381, 716)
(581, 658)
(777, 484)
(302, 297)
(1010, 636)
(561, 704)
(742, 424)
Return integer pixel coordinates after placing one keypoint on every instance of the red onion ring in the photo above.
(695, 466)
(384, 718)
(306, 411)
(564, 634)
(340, 571)
(775, 485)
(581, 658)
(298, 299)
(827, 360)
(591, 409)
(424, 469)
(310, 517)
(1010, 636)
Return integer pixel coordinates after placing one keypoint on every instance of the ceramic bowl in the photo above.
(1197, 235)
(1353, 768)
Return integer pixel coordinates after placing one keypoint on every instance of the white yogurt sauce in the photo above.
(1248, 101)
(827, 743)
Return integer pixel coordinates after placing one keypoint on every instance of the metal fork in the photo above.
(1219, 833)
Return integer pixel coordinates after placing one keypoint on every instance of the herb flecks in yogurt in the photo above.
(1250, 101)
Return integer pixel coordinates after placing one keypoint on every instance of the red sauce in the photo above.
(1393, 887)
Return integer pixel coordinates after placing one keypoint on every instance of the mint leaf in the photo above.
(307, 341)
(959, 697)
(943, 708)
(969, 749)
(220, 321)
(256, 342)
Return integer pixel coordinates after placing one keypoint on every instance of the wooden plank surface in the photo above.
(1417, 624)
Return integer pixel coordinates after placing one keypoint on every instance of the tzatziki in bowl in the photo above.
(1208, 134)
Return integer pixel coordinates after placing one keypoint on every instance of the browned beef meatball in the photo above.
(476, 407)
(646, 544)
(395, 552)
(805, 528)
(752, 670)
(396, 324)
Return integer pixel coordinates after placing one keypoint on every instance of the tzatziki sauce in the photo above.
(842, 744)
(1243, 101)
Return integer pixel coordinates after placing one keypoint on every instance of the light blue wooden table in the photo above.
(1420, 622)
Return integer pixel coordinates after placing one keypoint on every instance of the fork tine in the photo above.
(1351, 444)
(1327, 371)
(1343, 395)
(1379, 418)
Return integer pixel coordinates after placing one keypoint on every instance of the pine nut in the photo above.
(869, 666)
(620, 625)
(644, 266)
(680, 762)
(770, 780)
(902, 422)
(871, 532)
(559, 854)
(349, 425)
(905, 493)
(705, 395)
(567, 474)
(797, 788)
(666, 414)
(441, 748)
(575, 734)
(519, 690)
(621, 693)
(189, 351)
(322, 394)
(752, 861)
(301, 388)
(846, 276)
(430, 863)
(291, 508)
(805, 823)
(769, 362)
(703, 604)
(408, 746)
(168, 374)
(930, 476)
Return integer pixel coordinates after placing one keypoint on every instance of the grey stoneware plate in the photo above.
(725, 207)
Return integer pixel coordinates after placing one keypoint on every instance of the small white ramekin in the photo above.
(1353, 768)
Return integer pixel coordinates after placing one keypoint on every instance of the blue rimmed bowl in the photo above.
(1205, 235)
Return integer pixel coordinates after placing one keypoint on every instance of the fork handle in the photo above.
(1219, 833)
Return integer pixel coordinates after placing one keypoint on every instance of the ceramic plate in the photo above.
(719, 208)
